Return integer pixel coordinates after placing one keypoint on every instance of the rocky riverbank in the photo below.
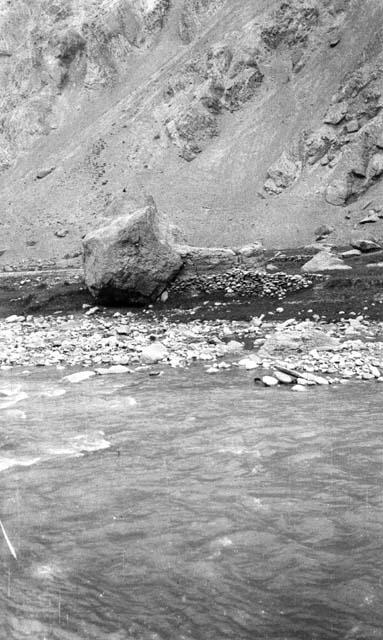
(307, 352)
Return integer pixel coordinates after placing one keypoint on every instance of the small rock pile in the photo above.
(240, 283)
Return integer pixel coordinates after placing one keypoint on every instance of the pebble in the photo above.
(91, 311)
(233, 346)
(269, 381)
(249, 363)
(298, 387)
(154, 353)
(283, 378)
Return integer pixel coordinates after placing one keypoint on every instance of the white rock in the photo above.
(351, 253)
(91, 311)
(324, 261)
(80, 376)
(233, 346)
(249, 363)
(14, 318)
(375, 371)
(298, 387)
(283, 378)
(315, 379)
(154, 353)
(269, 381)
(116, 368)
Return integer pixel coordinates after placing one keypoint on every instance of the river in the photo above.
(189, 507)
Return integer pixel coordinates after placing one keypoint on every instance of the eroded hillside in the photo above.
(245, 119)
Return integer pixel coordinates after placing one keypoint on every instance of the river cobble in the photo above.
(349, 349)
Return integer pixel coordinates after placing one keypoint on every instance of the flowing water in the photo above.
(189, 506)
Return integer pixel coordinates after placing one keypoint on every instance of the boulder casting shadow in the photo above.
(135, 259)
(132, 259)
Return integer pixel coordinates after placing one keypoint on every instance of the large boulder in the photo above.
(132, 259)
(324, 261)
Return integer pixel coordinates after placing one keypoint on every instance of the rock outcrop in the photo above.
(132, 259)
(246, 119)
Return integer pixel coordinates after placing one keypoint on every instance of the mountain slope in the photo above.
(245, 119)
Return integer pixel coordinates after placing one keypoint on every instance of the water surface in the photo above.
(210, 509)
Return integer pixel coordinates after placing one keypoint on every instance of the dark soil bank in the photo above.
(358, 291)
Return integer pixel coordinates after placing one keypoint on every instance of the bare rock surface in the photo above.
(324, 261)
(131, 259)
(244, 120)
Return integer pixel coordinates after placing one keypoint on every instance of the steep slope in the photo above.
(245, 119)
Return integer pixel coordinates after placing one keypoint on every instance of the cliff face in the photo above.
(245, 119)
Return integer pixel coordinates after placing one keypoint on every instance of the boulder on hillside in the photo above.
(282, 174)
(324, 261)
(338, 191)
(364, 242)
(132, 259)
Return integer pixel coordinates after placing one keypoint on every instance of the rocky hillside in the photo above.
(246, 120)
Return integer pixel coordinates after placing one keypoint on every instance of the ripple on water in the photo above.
(218, 513)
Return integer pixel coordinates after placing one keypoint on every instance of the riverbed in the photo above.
(189, 507)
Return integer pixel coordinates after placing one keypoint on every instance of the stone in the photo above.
(351, 253)
(364, 243)
(233, 346)
(374, 265)
(44, 172)
(269, 381)
(283, 378)
(303, 382)
(336, 113)
(334, 38)
(310, 377)
(14, 318)
(283, 173)
(80, 376)
(91, 311)
(199, 260)
(371, 217)
(338, 192)
(324, 261)
(352, 126)
(131, 260)
(323, 230)
(298, 388)
(375, 166)
(250, 250)
(154, 353)
(61, 233)
(250, 363)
